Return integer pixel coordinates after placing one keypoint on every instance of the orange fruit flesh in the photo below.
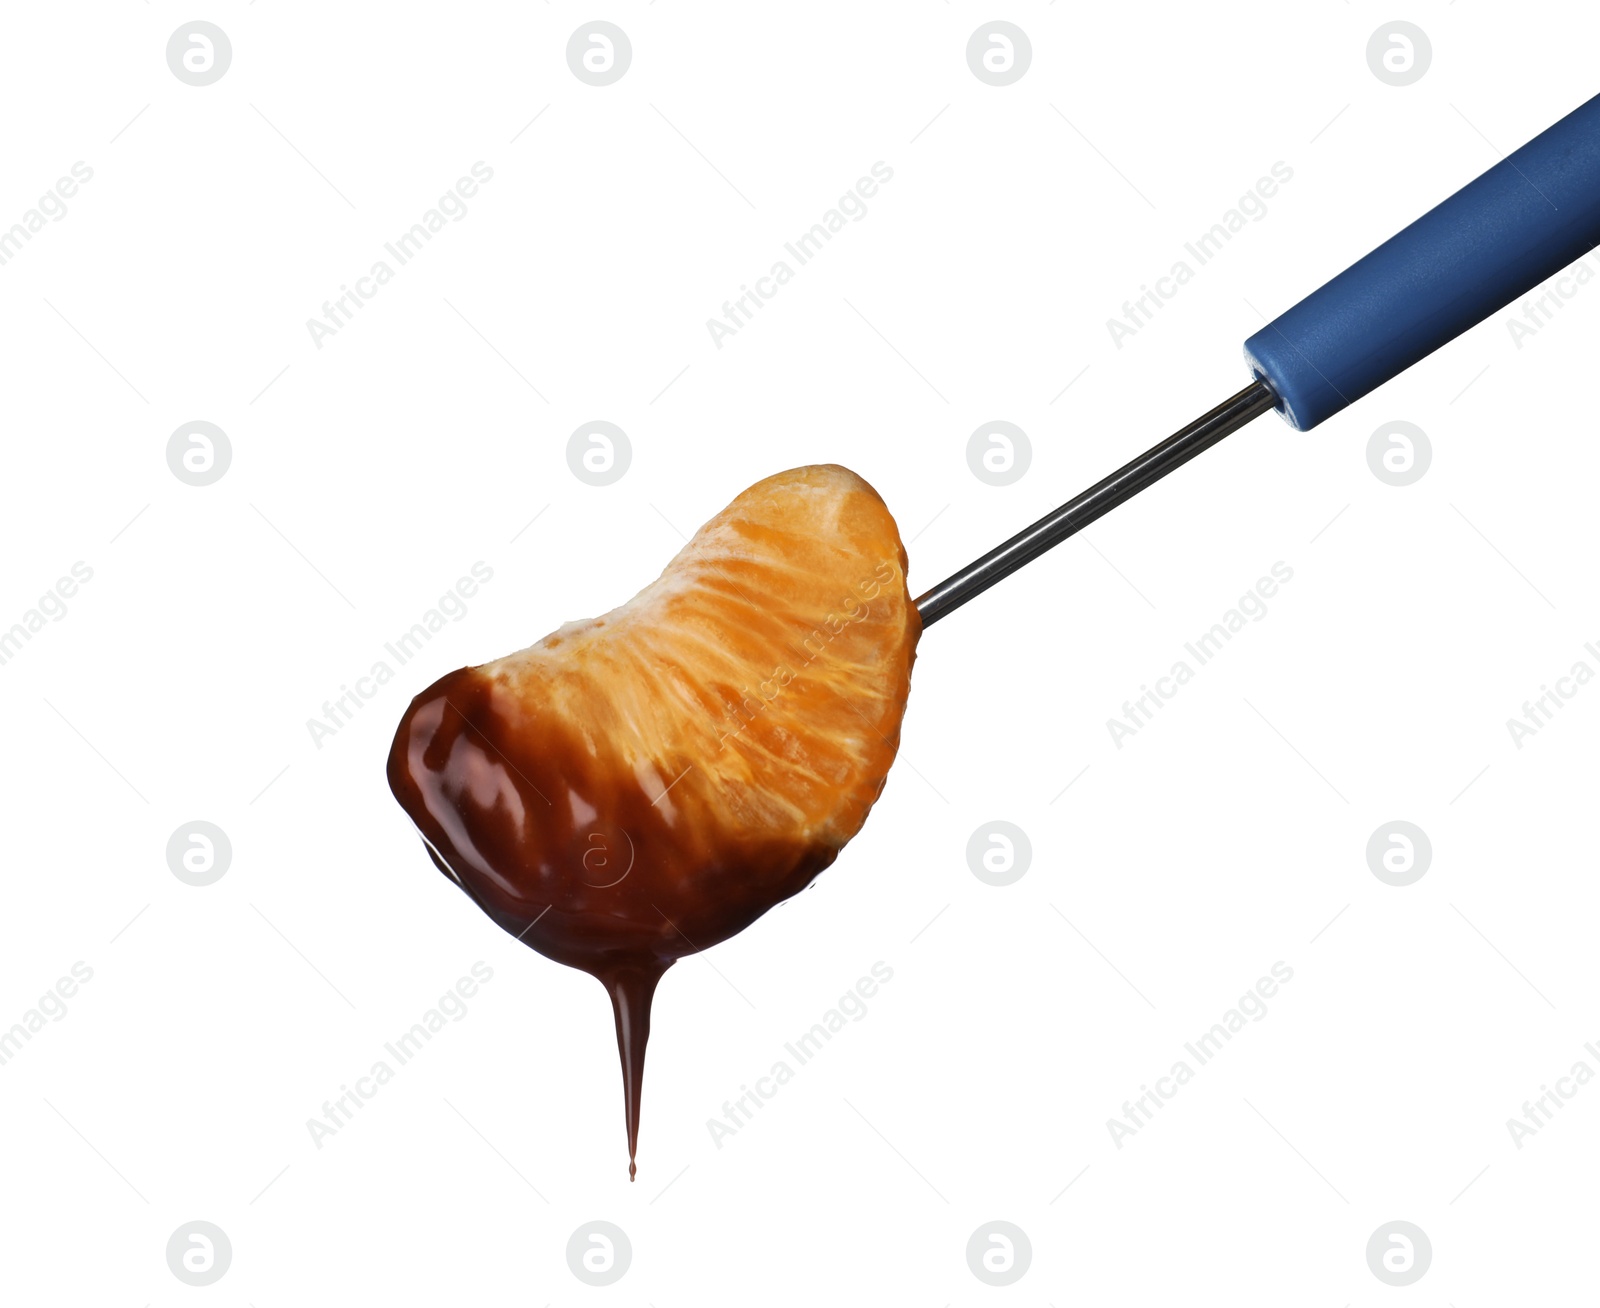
(639, 786)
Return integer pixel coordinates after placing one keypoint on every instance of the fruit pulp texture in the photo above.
(640, 786)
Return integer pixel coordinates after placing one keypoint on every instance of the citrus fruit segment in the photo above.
(656, 778)
(639, 786)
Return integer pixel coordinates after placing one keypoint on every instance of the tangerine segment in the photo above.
(649, 782)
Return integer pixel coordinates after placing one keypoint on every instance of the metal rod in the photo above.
(1076, 514)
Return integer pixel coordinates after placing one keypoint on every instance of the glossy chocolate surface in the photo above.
(641, 786)
(514, 818)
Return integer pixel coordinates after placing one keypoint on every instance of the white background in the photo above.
(1226, 836)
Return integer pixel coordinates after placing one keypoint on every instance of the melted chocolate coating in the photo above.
(641, 786)
(621, 897)
(509, 816)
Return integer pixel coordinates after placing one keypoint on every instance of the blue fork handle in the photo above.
(1528, 217)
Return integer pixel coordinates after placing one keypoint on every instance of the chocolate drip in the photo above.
(587, 869)
(642, 785)
(631, 990)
